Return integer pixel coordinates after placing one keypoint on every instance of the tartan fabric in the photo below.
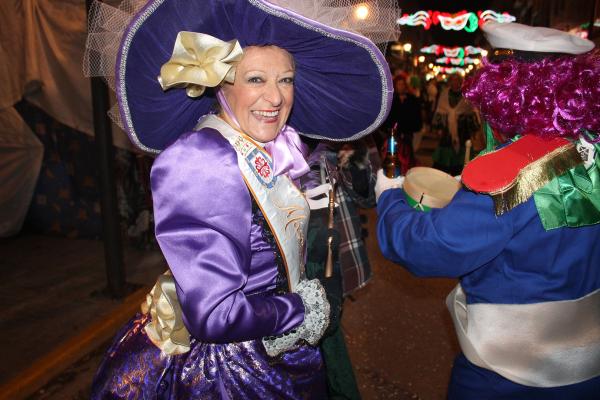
(355, 183)
(341, 382)
(356, 270)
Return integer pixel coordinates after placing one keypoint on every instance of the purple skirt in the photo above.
(134, 368)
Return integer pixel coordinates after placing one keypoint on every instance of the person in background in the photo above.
(347, 168)
(430, 104)
(415, 84)
(522, 235)
(405, 115)
(455, 121)
(358, 163)
(352, 168)
(432, 97)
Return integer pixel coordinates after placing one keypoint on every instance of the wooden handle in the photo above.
(330, 224)
(329, 262)
(331, 209)
(468, 145)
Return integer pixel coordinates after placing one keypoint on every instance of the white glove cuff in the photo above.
(316, 320)
(384, 183)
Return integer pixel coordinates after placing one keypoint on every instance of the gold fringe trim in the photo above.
(535, 176)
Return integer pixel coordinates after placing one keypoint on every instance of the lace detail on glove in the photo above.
(316, 319)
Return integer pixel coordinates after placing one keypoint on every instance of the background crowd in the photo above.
(436, 109)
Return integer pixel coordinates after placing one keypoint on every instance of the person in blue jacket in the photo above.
(523, 234)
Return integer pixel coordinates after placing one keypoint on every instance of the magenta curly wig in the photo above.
(551, 97)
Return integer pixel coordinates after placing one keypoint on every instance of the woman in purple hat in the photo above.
(234, 317)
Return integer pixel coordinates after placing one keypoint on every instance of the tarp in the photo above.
(20, 159)
(41, 51)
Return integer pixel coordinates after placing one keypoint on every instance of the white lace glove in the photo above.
(384, 183)
(316, 319)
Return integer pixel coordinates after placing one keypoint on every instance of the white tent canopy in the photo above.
(41, 51)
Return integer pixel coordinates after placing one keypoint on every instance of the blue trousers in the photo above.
(470, 382)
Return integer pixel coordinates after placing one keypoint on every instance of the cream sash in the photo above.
(282, 204)
(547, 344)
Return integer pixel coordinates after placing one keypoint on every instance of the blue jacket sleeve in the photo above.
(447, 242)
(203, 221)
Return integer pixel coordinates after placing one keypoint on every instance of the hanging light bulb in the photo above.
(361, 11)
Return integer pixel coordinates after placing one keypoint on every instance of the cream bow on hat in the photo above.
(200, 61)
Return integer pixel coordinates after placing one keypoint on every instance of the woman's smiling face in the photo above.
(262, 94)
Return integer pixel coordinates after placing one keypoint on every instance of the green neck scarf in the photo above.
(572, 199)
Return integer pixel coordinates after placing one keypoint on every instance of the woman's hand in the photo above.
(316, 320)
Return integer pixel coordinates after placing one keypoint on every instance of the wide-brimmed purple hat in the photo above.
(343, 87)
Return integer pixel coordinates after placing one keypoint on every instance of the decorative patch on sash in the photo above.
(242, 146)
(261, 167)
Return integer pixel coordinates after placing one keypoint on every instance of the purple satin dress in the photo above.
(231, 286)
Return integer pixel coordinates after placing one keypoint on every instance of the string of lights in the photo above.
(458, 61)
(456, 52)
(467, 20)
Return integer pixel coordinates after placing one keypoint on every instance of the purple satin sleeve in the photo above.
(203, 225)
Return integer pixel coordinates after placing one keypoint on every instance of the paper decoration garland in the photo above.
(469, 21)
